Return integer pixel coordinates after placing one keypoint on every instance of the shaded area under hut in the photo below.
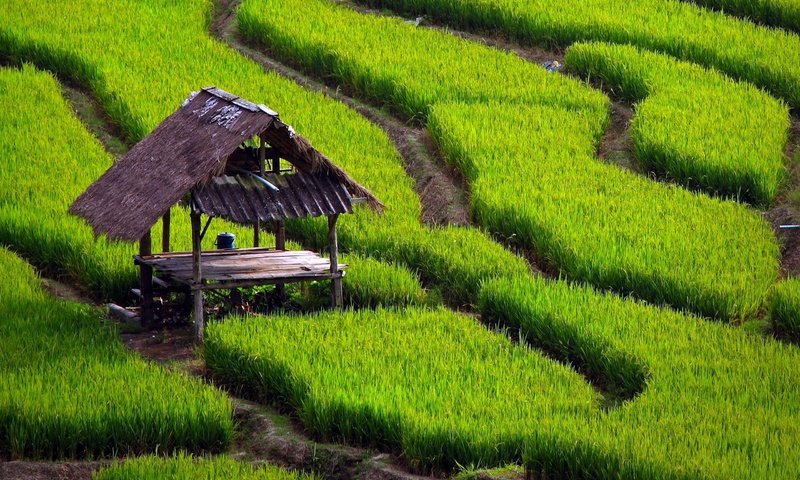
(199, 156)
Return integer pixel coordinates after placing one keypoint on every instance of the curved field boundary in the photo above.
(93, 46)
(434, 385)
(442, 254)
(777, 13)
(693, 125)
(766, 57)
(722, 407)
(446, 392)
(525, 140)
(68, 388)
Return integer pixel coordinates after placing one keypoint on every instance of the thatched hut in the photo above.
(198, 155)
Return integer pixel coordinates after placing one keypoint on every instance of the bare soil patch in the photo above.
(786, 207)
(617, 145)
(65, 291)
(95, 118)
(24, 470)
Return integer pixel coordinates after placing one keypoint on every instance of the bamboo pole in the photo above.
(333, 246)
(197, 293)
(146, 283)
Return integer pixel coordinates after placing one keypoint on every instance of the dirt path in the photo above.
(786, 207)
(264, 435)
(441, 189)
(95, 118)
(22, 470)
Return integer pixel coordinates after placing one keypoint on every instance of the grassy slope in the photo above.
(174, 55)
(533, 174)
(445, 391)
(68, 388)
(695, 126)
(765, 57)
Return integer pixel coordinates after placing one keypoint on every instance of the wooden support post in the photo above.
(280, 244)
(165, 221)
(333, 245)
(262, 156)
(276, 163)
(146, 283)
(280, 235)
(197, 293)
(257, 234)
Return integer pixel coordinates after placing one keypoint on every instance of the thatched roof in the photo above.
(247, 199)
(184, 153)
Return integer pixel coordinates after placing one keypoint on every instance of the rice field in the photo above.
(784, 309)
(445, 391)
(517, 133)
(91, 45)
(601, 224)
(777, 13)
(768, 58)
(680, 108)
(614, 367)
(69, 389)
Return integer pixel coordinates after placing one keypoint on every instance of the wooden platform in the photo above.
(242, 267)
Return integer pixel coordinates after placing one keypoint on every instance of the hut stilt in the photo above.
(333, 246)
(197, 292)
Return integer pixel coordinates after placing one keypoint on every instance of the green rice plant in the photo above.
(784, 309)
(34, 219)
(186, 467)
(767, 57)
(598, 223)
(432, 384)
(406, 68)
(680, 108)
(50, 158)
(529, 157)
(69, 388)
(710, 402)
(698, 412)
(778, 13)
(91, 44)
(370, 283)
(375, 283)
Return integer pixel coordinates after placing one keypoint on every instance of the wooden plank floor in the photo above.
(240, 267)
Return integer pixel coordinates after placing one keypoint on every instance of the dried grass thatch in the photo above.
(184, 152)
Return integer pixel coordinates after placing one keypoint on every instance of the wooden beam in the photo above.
(197, 292)
(146, 283)
(333, 245)
(165, 226)
(259, 281)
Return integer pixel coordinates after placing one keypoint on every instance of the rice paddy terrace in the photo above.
(616, 300)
